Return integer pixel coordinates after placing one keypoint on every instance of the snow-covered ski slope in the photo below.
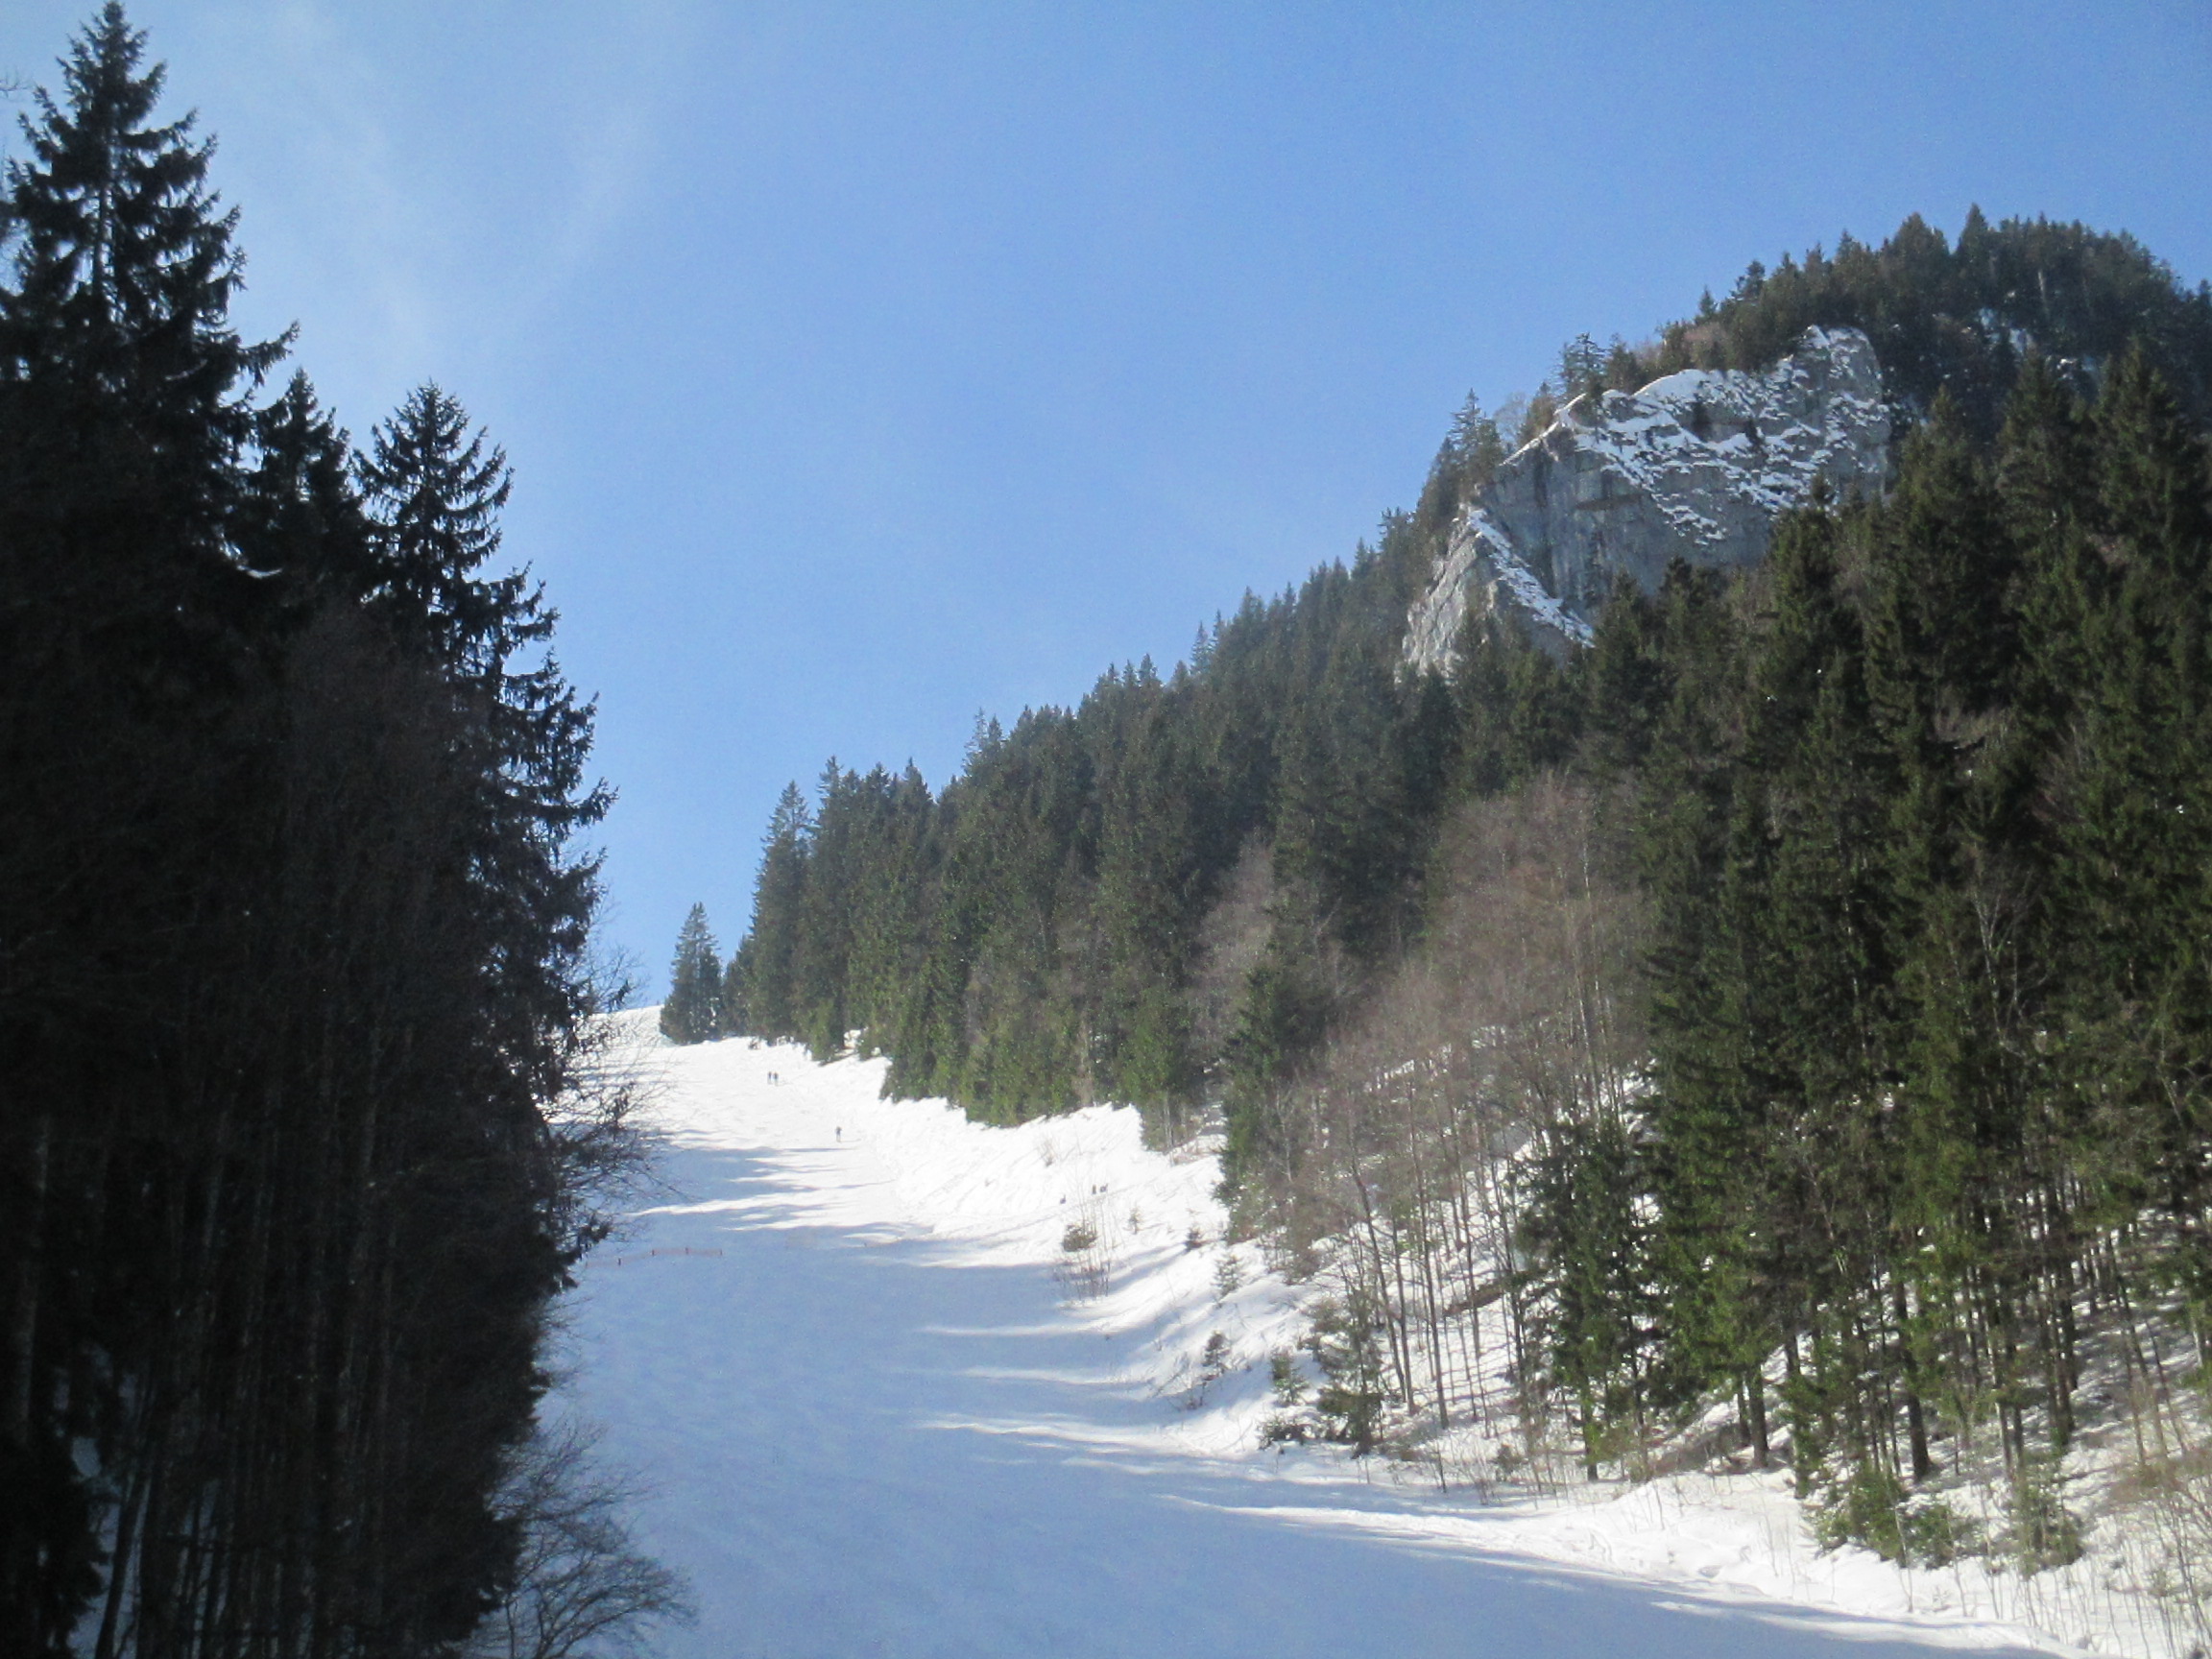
(882, 1417)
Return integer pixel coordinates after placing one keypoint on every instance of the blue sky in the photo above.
(866, 366)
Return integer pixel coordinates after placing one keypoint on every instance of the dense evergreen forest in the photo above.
(301, 1126)
(1793, 1004)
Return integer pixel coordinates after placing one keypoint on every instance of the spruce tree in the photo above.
(437, 491)
(778, 891)
(693, 1010)
(434, 492)
(121, 360)
(127, 666)
(301, 517)
(294, 970)
(2138, 831)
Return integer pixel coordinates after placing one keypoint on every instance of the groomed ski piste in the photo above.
(879, 1408)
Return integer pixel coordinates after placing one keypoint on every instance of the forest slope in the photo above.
(886, 1413)
(1787, 1013)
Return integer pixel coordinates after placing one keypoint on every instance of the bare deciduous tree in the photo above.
(583, 1589)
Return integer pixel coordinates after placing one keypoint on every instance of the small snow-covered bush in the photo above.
(1228, 1276)
(1872, 1507)
(1214, 1364)
(2041, 1532)
(1087, 1258)
(1352, 1400)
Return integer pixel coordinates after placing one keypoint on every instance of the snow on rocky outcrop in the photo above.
(1695, 466)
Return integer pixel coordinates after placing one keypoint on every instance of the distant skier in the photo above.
(840, 1134)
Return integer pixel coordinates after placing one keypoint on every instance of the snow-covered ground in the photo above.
(884, 1412)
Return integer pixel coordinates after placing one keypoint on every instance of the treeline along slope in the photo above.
(297, 1141)
(1076, 915)
(1793, 1000)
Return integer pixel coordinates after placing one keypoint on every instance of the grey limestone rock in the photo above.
(1695, 466)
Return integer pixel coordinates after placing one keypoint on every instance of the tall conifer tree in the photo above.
(693, 1010)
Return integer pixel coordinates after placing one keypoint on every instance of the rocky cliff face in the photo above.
(1696, 466)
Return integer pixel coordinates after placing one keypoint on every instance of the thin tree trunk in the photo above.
(23, 1314)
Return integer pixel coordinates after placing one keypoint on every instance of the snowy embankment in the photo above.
(885, 1410)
